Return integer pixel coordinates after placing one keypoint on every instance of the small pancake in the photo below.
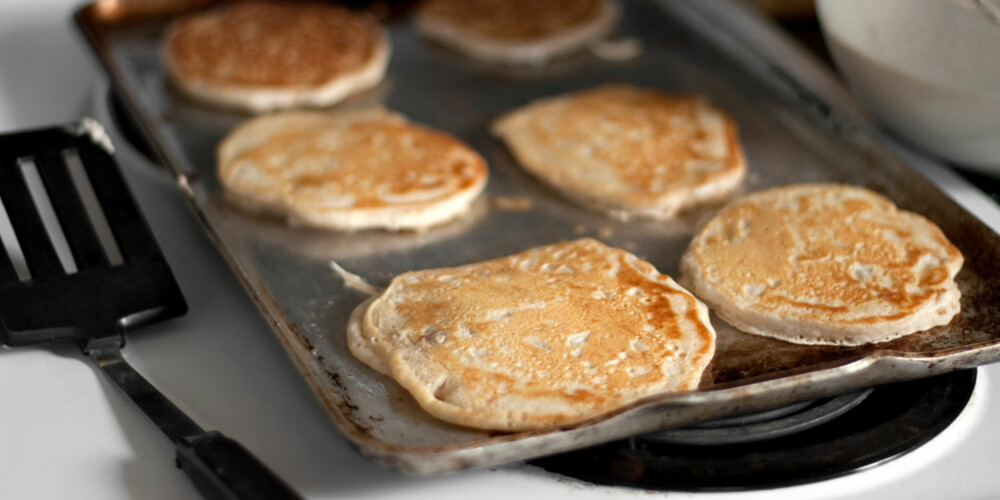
(350, 170)
(260, 56)
(824, 264)
(547, 337)
(627, 151)
(516, 31)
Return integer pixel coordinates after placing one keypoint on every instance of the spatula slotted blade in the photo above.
(78, 262)
(99, 292)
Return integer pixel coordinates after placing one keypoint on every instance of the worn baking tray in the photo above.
(789, 136)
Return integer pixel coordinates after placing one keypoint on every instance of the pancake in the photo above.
(516, 31)
(547, 337)
(350, 170)
(627, 151)
(261, 56)
(824, 264)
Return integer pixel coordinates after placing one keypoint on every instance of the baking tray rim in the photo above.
(906, 365)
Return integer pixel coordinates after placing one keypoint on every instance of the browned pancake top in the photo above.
(369, 160)
(826, 253)
(281, 44)
(654, 142)
(577, 320)
(513, 20)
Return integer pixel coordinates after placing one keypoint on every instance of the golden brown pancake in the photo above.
(824, 264)
(516, 31)
(350, 170)
(261, 56)
(628, 151)
(547, 337)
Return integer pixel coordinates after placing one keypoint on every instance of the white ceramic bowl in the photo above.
(928, 69)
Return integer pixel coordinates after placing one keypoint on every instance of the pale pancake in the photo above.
(627, 151)
(262, 56)
(350, 170)
(547, 337)
(824, 264)
(516, 31)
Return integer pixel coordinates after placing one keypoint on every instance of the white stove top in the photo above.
(65, 432)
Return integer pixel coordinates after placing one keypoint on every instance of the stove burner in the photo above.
(760, 426)
(891, 421)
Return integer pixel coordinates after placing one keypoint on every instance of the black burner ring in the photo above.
(760, 426)
(893, 420)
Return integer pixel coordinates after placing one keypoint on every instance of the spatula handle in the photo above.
(223, 469)
(220, 468)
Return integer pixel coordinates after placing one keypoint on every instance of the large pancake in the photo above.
(516, 31)
(350, 170)
(824, 264)
(546, 337)
(261, 56)
(628, 151)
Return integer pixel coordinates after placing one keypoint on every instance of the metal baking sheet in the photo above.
(788, 136)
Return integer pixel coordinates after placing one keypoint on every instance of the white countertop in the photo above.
(65, 432)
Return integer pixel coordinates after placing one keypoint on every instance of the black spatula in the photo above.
(79, 263)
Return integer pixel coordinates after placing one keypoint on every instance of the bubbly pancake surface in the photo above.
(628, 151)
(550, 336)
(515, 31)
(350, 170)
(824, 264)
(299, 48)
